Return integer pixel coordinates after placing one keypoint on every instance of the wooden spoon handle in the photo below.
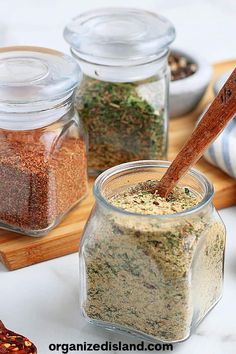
(220, 112)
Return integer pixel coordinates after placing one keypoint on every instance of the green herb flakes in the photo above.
(122, 125)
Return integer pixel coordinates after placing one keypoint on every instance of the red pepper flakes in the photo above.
(43, 174)
(11, 342)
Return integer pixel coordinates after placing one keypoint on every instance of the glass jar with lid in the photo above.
(43, 158)
(123, 97)
(148, 266)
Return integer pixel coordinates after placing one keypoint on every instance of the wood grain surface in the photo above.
(17, 251)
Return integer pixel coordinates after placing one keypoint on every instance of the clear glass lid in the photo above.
(32, 74)
(119, 36)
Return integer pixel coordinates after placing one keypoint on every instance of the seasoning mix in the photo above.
(40, 183)
(43, 157)
(122, 125)
(149, 266)
(123, 98)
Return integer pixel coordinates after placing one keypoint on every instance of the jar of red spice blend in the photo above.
(42, 142)
(123, 97)
(151, 266)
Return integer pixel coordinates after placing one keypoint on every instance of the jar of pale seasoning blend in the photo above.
(123, 97)
(151, 266)
(42, 142)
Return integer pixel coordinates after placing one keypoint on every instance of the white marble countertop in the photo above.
(41, 301)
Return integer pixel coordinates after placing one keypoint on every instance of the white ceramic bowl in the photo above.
(186, 93)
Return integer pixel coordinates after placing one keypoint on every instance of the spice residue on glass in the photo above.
(140, 271)
(125, 121)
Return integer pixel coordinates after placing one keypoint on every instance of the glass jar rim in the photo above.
(196, 174)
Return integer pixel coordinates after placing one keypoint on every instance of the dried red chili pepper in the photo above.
(11, 342)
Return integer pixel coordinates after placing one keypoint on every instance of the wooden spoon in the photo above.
(220, 112)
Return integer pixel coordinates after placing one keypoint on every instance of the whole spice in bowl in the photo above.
(11, 342)
(151, 266)
(180, 66)
(190, 77)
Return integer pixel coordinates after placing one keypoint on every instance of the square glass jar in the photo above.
(153, 276)
(123, 97)
(43, 146)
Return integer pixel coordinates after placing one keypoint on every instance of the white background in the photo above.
(42, 301)
(205, 26)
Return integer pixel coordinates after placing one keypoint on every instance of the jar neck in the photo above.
(125, 72)
(34, 115)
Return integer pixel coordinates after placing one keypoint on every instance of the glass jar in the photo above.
(43, 163)
(154, 276)
(123, 97)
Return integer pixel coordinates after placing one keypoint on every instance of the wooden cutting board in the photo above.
(17, 251)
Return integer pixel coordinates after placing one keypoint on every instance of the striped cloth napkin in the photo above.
(222, 153)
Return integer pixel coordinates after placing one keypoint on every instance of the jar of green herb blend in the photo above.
(151, 266)
(123, 98)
